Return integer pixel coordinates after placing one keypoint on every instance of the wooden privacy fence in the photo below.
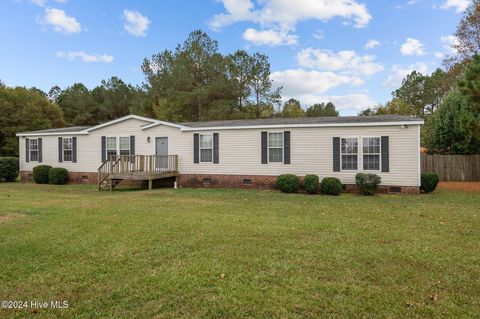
(453, 168)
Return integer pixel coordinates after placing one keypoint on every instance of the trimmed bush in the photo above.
(58, 176)
(331, 186)
(367, 183)
(429, 182)
(288, 183)
(9, 167)
(311, 183)
(40, 174)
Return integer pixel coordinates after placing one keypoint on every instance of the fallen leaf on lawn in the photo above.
(222, 276)
(433, 297)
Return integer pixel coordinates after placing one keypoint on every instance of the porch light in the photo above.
(148, 139)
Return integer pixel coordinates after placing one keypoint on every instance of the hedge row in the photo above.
(45, 174)
(289, 183)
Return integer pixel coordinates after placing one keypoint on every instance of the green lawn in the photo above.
(162, 253)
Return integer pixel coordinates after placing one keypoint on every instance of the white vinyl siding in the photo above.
(67, 149)
(275, 147)
(311, 151)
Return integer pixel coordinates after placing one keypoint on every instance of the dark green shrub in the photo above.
(331, 186)
(40, 174)
(9, 167)
(311, 183)
(367, 183)
(288, 183)
(429, 182)
(58, 176)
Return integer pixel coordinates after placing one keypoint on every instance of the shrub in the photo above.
(311, 183)
(367, 183)
(429, 182)
(8, 169)
(331, 186)
(58, 176)
(288, 183)
(40, 174)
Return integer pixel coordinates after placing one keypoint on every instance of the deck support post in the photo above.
(111, 184)
(150, 184)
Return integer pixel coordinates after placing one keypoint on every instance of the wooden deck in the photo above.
(136, 167)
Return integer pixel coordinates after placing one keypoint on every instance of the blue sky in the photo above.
(351, 52)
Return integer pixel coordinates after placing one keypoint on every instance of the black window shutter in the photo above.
(27, 150)
(336, 154)
(264, 148)
(286, 147)
(104, 149)
(40, 151)
(196, 148)
(215, 148)
(60, 149)
(132, 148)
(74, 149)
(385, 154)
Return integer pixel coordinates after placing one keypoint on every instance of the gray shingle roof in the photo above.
(59, 130)
(305, 120)
(263, 122)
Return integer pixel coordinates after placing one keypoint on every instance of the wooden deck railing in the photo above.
(144, 165)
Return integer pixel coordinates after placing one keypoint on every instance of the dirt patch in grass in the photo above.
(10, 217)
(461, 186)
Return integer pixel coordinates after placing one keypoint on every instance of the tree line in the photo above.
(194, 82)
(449, 98)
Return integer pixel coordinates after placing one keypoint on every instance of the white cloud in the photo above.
(60, 21)
(85, 57)
(135, 23)
(448, 42)
(412, 47)
(298, 81)
(237, 10)
(269, 37)
(319, 35)
(345, 62)
(372, 44)
(283, 15)
(458, 5)
(40, 3)
(399, 73)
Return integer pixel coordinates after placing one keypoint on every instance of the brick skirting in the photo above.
(224, 181)
(268, 182)
(73, 177)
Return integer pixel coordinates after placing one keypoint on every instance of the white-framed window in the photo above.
(275, 147)
(111, 146)
(206, 148)
(371, 153)
(67, 149)
(349, 153)
(124, 145)
(33, 149)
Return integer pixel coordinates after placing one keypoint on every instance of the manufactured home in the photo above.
(233, 153)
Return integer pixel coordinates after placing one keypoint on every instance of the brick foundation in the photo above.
(222, 181)
(73, 177)
(268, 182)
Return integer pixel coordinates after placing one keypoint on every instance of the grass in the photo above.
(162, 253)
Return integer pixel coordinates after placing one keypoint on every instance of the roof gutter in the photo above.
(246, 127)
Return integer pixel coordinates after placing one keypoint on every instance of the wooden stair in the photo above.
(136, 167)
